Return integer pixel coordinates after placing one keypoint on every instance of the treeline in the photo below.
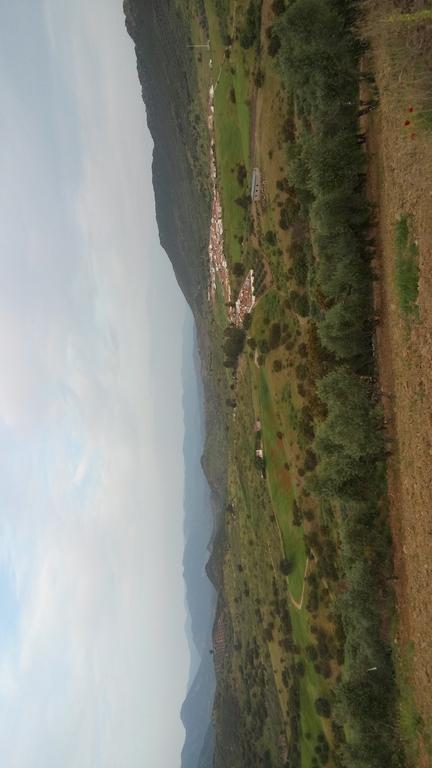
(351, 445)
(319, 59)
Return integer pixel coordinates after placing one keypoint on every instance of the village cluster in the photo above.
(218, 266)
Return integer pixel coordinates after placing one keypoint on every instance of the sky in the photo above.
(93, 656)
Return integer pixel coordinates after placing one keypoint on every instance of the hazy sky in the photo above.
(93, 658)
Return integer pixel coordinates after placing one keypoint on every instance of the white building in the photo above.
(256, 185)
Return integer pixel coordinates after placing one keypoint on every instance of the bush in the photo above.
(238, 269)
(286, 566)
(233, 345)
(299, 303)
(250, 33)
(247, 321)
(278, 7)
(300, 269)
(270, 238)
(302, 372)
(311, 652)
(288, 214)
(274, 335)
(241, 173)
(310, 460)
(297, 517)
(243, 201)
(274, 43)
(259, 78)
(407, 271)
(322, 707)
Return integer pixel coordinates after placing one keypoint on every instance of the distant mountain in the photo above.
(167, 75)
(196, 715)
(200, 594)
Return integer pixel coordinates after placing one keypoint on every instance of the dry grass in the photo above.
(401, 183)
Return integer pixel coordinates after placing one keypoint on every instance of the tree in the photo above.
(354, 423)
(286, 566)
(274, 43)
(238, 269)
(241, 174)
(323, 707)
(278, 7)
(259, 78)
(233, 345)
(250, 32)
(274, 335)
(346, 329)
(300, 268)
(270, 238)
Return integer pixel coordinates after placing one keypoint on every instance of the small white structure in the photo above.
(259, 453)
(246, 298)
(256, 185)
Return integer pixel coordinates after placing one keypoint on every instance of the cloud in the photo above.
(91, 422)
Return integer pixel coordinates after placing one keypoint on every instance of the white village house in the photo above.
(256, 185)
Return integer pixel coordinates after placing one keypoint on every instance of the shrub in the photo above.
(247, 321)
(311, 652)
(297, 516)
(299, 303)
(233, 345)
(310, 460)
(259, 78)
(250, 33)
(241, 173)
(274, 335)
(278, 7)
(238, 269)
(286, 566)
(270, 237)
(302, 372)
(322, 707)
(302, 350)
(274, 43)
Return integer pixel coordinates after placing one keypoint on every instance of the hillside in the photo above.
(168, 80)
